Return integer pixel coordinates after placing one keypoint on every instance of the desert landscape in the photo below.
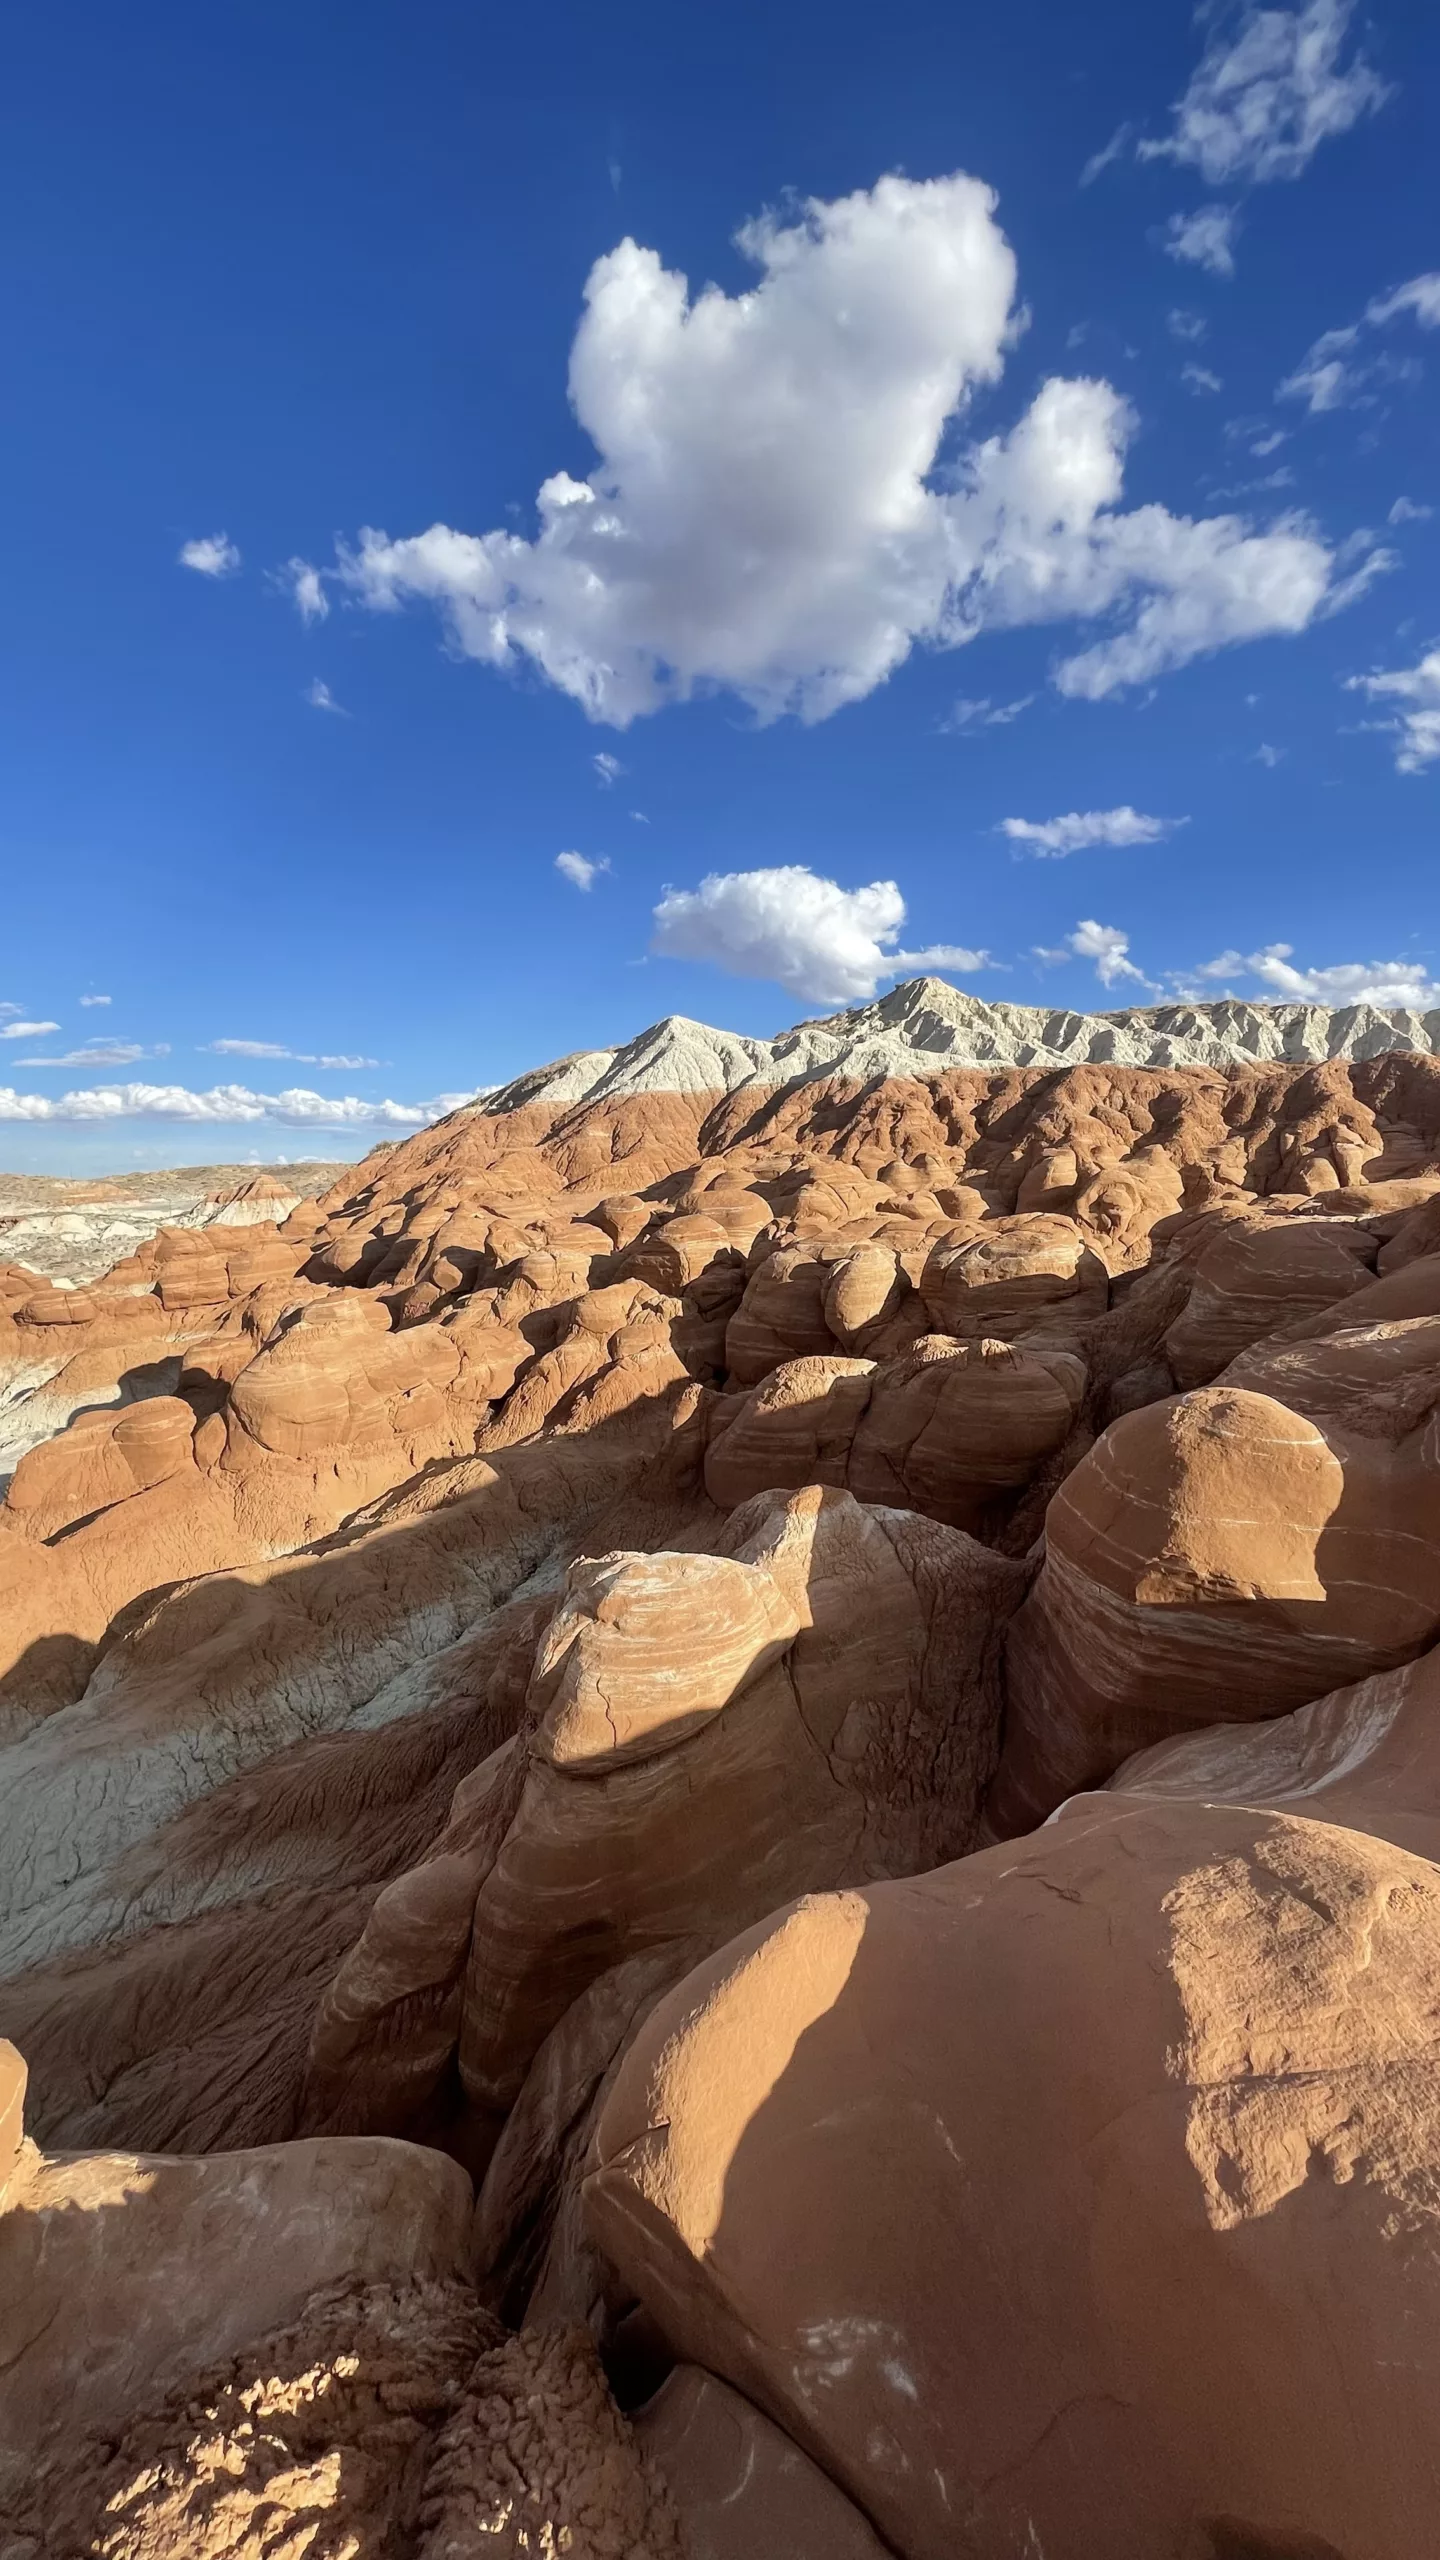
(720, 1814)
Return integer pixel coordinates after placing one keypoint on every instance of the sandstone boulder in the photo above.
(122, 2275)
(1115, 2263)
(1226, 1555)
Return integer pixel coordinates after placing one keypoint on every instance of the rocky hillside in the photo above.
(72, 1230)
(720, 1818)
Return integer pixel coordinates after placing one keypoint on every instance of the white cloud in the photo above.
(1204, 239)
(273, 1049)
(306, 588)
(214, 555)
(1416, 724)
(1053, 838)
(812, 937)
(1259, 106)
(99, 1053)
(575, 868)
(26, 1030)
(1404, 511)
(1188, 326)
(1333, 376)
(639, 817)
(762, 520)
(227, 1102)
(607, 769)
(1199, 378)
(1420, 296)
(95, 1000)
(1108, 947)
(1267, 755)
(320, 698)
(1382, 982)
(7, 1009)
(1104, 158)
(985, 714)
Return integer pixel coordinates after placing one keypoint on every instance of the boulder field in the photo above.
(720, 1819)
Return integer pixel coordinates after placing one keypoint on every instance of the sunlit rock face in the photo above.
(738, 1751)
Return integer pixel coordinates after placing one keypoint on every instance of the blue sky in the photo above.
(1101, 500)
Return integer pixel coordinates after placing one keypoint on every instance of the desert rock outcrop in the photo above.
(1172, 2153)
(511, 1671)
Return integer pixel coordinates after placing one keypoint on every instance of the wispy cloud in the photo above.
(100, 1053)
(1260, 103)
(320, 698)
(607, 769)
(965, 715)
(581, 873)
(26, 1030)
(1110, 152)
(1416, 723)
(1409, 511)
(1333, 374)
(305, 587)
(1187, 326)
(213, 554)
(1199, 379)
(94, 1000)
(275, 1049)
(1052, 838)
(1204, 239)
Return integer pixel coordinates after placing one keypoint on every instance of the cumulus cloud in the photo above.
(1109, 948)
(95, 999)
(214, 555)
(226, 1102)
(1204, 239)
(1261, 101)
(1053, 838)
(606, 769)
(966, 715)
(306, 589)
(25, 1030)
(1416, 724)
(817, 940)
(274, 1049)
(762, 517)
(320, 698)
(575, 868)
(1381, 982)
(1335, 373)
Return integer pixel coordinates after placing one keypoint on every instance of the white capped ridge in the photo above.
(924, 1026)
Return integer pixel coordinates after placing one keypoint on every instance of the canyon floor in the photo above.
(720, 1814)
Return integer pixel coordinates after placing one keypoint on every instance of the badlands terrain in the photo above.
(720, 1817)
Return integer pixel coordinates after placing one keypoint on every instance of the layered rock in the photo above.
(1226, 1555)
(440, 1624)
(825, 1688)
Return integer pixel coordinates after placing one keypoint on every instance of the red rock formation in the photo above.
(1172, 2152)
(433, 1629)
